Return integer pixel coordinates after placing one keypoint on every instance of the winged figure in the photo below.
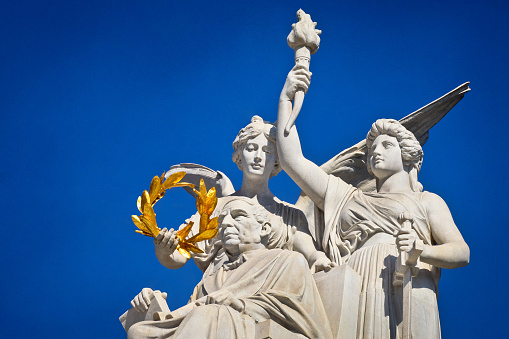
(366, 207)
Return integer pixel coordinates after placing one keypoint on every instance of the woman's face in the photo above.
(385, 156)
(258, 157)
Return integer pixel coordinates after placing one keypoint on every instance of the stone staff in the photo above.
(406, 267)
(304, 40)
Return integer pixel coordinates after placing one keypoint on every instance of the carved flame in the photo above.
(304, 33)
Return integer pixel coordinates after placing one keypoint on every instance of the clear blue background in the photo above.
(97, 97)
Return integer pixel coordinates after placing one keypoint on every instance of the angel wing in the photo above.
(195, 172)
(350, 164)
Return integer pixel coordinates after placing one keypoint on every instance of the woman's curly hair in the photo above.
(411, 150)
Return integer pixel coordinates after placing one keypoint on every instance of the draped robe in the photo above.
(272, 284)
(358, 228)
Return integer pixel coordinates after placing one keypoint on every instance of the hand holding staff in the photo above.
(407, 265)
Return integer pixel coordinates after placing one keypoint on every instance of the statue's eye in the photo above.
(250, 147)
(268, 150)
(238, 215)
(387, 145)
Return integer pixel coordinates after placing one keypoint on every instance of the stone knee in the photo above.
(137, 331)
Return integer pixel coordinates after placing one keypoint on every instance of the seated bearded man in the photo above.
(255, 284)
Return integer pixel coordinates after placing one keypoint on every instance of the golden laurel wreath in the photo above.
(205, 203)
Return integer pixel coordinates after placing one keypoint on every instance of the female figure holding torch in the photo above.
(363, 230)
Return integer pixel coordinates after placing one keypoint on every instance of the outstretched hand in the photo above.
(298, 78)
(166, 241)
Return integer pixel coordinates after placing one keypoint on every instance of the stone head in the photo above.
(385, 133)
(255, 149)
(244, 225)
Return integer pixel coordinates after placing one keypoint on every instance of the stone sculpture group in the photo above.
(358, 256)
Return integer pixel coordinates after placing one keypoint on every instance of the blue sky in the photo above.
(97, 97)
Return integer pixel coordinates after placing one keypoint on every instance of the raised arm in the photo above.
(310, 178)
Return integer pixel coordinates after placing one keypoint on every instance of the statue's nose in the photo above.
(376, 150)
(258, 154)
(227, 221)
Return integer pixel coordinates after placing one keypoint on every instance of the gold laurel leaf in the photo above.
(148, 212)
(199, 202)
(205, 235)
(184, 252)
(138, 204)
(161, 194)
(151, 226)
(203, 190)
(204, 220)
(211, 194)
(212, 224)
(191, 247)
(182, 233)
(145, 200)
(139, 223)
(212, 206)
(155, 187)
(144, 233)
(173, 179)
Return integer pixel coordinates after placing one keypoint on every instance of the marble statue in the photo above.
(255, 154)
(363, 222)
(253, 285)
(364, 230)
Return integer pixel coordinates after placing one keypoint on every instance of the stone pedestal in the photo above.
(340, 290)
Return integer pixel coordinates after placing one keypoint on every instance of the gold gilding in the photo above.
(206, 202)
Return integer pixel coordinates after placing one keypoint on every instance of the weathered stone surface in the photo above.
(386, 283)
(340, 290)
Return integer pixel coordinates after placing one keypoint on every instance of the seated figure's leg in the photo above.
(153, 329)
(215, 321)
(207, 321)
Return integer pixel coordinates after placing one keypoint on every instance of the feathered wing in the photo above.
(350, 164)
(195, 172)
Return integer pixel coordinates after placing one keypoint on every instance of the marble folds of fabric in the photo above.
(272, 284)
(359, 230)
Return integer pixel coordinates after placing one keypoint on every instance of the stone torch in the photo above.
(304, 40)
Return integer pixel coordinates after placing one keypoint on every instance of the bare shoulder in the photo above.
(433, 202)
